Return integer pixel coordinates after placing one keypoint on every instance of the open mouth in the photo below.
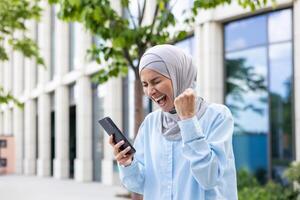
(161, 100)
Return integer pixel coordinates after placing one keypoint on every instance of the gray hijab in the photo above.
(178, 66)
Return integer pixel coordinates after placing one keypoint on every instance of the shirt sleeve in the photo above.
(132, 176)
(208, 153)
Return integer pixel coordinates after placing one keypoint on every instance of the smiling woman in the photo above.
(187, 141)
(158, 88)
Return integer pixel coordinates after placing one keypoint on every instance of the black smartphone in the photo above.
(111, 128)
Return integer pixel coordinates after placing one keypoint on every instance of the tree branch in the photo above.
(127, 56)
(154, 18)
(143, 13)
(131, 17)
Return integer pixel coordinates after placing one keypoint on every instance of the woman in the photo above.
(183, 150)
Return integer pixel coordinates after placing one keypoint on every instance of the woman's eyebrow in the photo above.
(151, 80)
(155, 78)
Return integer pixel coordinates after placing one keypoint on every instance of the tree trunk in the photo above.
(138, 105)
(139, 117)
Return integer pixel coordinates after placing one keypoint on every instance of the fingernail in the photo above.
(128, 147)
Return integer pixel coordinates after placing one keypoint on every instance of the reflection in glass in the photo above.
(281, 105)
(246, 90)
(259, 91)
(188, 45)
(246, 33)
(247, 99)
(279, 24)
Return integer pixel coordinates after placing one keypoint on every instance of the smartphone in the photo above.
(111, 128)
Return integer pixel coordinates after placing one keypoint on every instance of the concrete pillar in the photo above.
(61, 162)
(18, 113)
(7, 124)
(83, 42)
(44, 118)
(1, 87)
(30, 137)
(296, 23)
(112, 108)
(1, 122)
(45, 42)
(44, 131)
(209, 61)
(83, 162)
(18, 130)
(62, 48)
(30, 65)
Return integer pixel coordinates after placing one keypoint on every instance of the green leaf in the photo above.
(75, 3)
(119, 42)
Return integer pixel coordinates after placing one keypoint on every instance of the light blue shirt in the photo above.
(200, 166)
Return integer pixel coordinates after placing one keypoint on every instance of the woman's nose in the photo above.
(151, 91)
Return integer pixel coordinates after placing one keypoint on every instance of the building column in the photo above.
(45, 42)
(209, 60)
(61, 161)
(44, 143)
(18, 128)
(113, 108)
(44, 120)
(7, 85)
(1, 86)
(1, 122)
(7, 121)
(296, 23)
(83, 162)
(62, 125)
(18, 113)
(30, 137)
(30, 112)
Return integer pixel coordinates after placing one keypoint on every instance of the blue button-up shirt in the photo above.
(200, 166)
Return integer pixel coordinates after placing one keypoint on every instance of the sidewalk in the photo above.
(15, 187)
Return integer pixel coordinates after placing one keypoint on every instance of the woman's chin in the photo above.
(166, 109)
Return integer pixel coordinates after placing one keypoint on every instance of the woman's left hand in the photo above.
(185, 104)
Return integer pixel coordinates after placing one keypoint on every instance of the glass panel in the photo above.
(188, 45)
(279, 24)
(280, 56)
(246, 33)
(247, 98)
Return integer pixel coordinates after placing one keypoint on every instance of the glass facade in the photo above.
(259, 82)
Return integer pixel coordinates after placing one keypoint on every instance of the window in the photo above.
(3, 144)
(259, 79)
(3, 162)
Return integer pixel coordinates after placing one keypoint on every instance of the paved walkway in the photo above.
(14, 187)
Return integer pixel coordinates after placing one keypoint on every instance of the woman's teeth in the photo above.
(160, 99)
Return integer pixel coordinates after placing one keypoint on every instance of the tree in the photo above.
(125, 37)
(13, 16)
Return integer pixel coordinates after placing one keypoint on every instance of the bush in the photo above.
(250, 189)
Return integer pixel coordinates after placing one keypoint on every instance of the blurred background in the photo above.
(247, 56)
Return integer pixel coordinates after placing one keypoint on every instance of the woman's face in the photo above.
(159, 88)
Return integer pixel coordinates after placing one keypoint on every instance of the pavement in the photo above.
(14, 187)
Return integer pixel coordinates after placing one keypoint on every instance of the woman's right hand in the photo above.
(121, 156)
